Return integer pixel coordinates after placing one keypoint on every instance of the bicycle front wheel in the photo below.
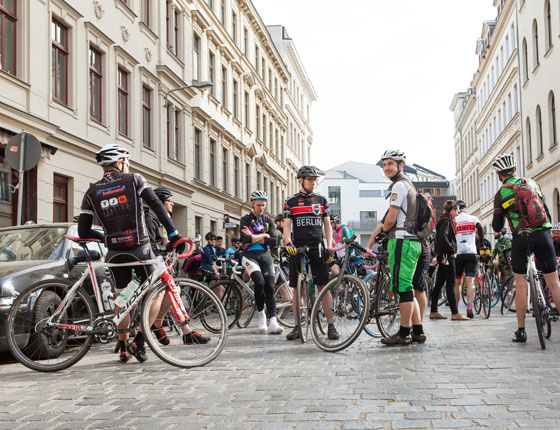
(283, 297)
(49, 349)
(508, 301)
(181, 350)
(370, 327)
(387, 312)
(486, 295)
(231, 296)
(249, 309)
(350, 309)
(536, 308)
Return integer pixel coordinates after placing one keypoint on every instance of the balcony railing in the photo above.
(362, 225)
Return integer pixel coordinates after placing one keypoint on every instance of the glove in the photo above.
(180, 248)
(290, 249)
(329, 256)
(380, 237)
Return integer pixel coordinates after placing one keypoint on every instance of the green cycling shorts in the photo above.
(403, 256)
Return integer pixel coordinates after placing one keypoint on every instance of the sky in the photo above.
(385, 73)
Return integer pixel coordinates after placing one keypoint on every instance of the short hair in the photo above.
(508, 172)
(450, 205)
(219, 238)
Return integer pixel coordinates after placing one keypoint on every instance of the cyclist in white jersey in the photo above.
(467, 228)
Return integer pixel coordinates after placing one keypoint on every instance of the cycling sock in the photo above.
(417, 329)
(122, 344)
(469, 305)
(331, 325)
(139, 340)
(404, 331)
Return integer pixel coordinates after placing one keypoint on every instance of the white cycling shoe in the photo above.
(274, 327)
(263, 326)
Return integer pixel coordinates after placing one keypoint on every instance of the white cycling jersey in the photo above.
(466, 233)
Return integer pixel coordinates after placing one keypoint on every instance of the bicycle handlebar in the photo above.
(190, 250)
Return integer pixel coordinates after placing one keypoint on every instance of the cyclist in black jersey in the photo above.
(116, 201)
(258, 235)
(156, 231)
(306, 218)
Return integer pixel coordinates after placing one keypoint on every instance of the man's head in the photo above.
(235, 242)
(556, 233)
(258, 202)
(279, 221)
(335, 221)
(505, 166)
(462, 205)
(210, 238)
(113, 157)
(219, 241)
(308, 176)
(393, 163)
(499, 234)
(164, 194)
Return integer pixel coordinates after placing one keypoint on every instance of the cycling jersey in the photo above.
(466, 233)
(116, 201)
(307, 212)
(258, 225)
(344, 232)
(401, 195)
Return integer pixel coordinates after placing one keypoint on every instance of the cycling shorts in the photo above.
(421, 265)
(317, 262)
(257, 261)
(465, 263)
(403, 257)
(123, 275)
(540, 243)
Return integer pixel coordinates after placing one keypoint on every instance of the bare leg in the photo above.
(422, 300)
(520, 298)
(327, 303)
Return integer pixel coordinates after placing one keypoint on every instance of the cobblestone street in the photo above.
(467, 375)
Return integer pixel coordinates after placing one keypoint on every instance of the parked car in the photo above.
(32, 253)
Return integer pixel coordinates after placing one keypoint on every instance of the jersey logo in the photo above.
(466, 227)
(393, 197)
(316, 209)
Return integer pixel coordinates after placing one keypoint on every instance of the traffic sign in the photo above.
(23, 152)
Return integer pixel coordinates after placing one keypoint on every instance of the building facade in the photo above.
(92, 73)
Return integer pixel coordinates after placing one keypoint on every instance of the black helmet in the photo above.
(235, 240)
(462, 205)
(163, 193)
(335, 218)
(210, 235)
(279, 218)
(309, 172)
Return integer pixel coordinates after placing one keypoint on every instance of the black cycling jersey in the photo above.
(258, 225)
(155, 230)
(306, 212)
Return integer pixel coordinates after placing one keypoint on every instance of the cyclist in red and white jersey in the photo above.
(467, 228)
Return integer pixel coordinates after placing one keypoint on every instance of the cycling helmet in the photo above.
(503, 162)
(309, 172)
(279, 218)
(394, 154)
(163, 193)
(556, 227)
(335, 218)
(259, 196)
(462, 205)
(210, 235)
(110, 154)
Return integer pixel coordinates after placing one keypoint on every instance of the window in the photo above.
(258, 180)
(257, 58)
(224, 86)
(147, 12)
(245, 41)
(146, 116)
(236, 176)
(225, 159)
(95, 84)
(528, 139)
(246, 109)
(173, 132)
(211, 60)
(540, 150)
(371, 193)
(59, 36)
(122, 77)
(264, 129)
(213, 226)
(196, 58)
(223, 11)
(8, 19)
(197, 225)
(334, 196)
(168, 127)
(235, 99)
(60, 199)
(552, 119)
(258, 121)
(176, 21)
(368, 216)
(212, 162)
(234, 26)
(535, 45)
(525, 60)
(247, 180)
(197, 152)
(548, 25)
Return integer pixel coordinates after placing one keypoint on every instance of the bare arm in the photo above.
(391, 219)
(287, 230)
(328, 230)
(375, 232)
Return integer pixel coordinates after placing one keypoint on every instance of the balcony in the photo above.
(357, 225)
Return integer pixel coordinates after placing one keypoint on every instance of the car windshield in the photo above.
(32, 244)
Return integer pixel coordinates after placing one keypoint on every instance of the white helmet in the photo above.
(556, 227)
(110, 154)
(394, 154)
(503, 162)
(259, 195)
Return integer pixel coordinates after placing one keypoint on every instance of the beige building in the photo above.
(79, 75)
(539, 27)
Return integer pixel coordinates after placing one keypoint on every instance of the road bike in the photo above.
(69, 330)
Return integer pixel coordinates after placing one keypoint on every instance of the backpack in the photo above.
(422, 222)
(191, 267)
(528, 205)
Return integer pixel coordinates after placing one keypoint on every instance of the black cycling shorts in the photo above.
(123, 275)
(421, 266)
(317, 261)
(540, 243)
(465, 263)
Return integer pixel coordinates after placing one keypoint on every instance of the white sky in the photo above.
(385, 72)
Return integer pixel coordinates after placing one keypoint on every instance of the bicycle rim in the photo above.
(177, 353)
(370, 326)
(308, 301)
(486, 296)
(48, 349)
(283, 297)
(536, 309)
(231, 298)
(350, 310)
(302, 317)
(509, 297)
(387, 312)
(249, 309)
(495, 289)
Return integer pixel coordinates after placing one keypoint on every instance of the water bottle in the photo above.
(126, 293)
(107, 294)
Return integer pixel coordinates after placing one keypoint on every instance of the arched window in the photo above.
(548, 25)
(528, 139)
(525, 60)
(552, 119)
(539, 132)
(535, 45)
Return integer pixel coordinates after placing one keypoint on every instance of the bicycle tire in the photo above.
(508, 301)
(176, 352)
(370, 327)
(486, 296)
(495, 290)
(350, 311)
(464, 289)
(387, 312)
(49, 349)
(536, 309)
(302, 319)
(503, 287)
(284, 312)
(308, 303)
(232, 300)
(249, 309)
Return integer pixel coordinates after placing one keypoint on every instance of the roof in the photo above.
(364, 172)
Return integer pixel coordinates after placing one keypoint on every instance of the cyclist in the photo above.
(556, 239)
(500, 254)
(539, 241)
(340, 232)
(467, 228)
(404, 248)
(156, 231)
(258, 235)
(221, 253)
(233, 252)
(116, 200)
(306, 214)
(208, 259)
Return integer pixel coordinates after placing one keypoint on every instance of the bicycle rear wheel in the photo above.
(536, 309)
(350, 310)
(177, 353)
(370, 327)
(486, 295)
(387, 312)
(508, 302)
(249, 309)
(49, 349)
(231, 298)
(283, 297)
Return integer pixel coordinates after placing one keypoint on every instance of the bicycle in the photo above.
(70, 330)
(350, 308)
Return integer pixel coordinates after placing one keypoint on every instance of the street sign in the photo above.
(23, 152)
(231, 225)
